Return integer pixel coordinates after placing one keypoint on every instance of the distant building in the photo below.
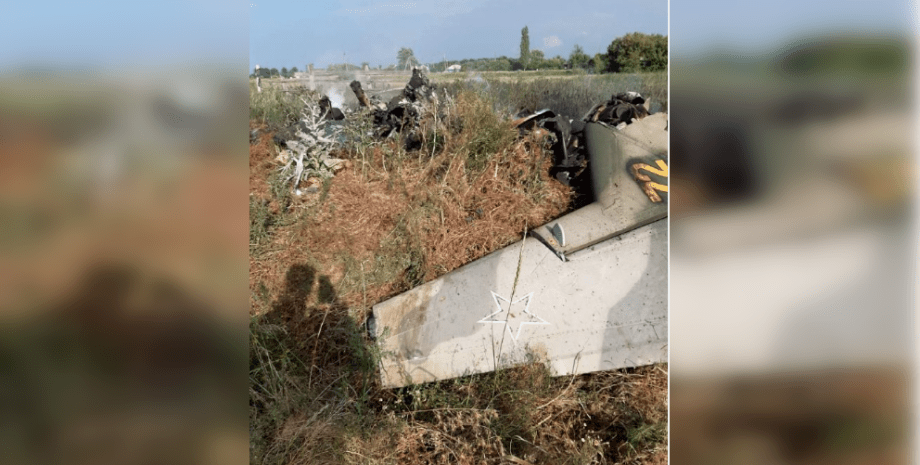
(453, 69)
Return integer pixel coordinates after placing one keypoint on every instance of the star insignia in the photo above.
(513, 315)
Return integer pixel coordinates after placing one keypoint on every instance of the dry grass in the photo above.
(393, 220)
(409, 217)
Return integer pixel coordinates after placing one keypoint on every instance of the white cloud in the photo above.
(551, 41)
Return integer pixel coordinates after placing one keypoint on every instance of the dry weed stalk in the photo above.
(309, 155)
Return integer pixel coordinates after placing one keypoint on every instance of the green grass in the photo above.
(641, 435)
(570, 95)
(260, 220)
(273, 106)
(276, 386)
(488, 133)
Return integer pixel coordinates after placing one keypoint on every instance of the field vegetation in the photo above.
(570, 93)
(393, 219)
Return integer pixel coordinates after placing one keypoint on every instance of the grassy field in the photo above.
(570, 94)
(389, 221)
(567, 92)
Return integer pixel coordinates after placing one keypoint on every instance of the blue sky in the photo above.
(290, 33)
(137, 33)
(760, 27)
(278, 33)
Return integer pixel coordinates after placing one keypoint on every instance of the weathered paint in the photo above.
(620, 203)
(648, 185)
(604, 308)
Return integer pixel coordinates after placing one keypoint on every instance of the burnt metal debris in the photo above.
(328, 111)
(621, 109)
(569, 158)
(289, 133)
(402, 113)
(359, 93)
(566, 136)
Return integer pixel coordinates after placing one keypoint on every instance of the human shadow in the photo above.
(308, 324)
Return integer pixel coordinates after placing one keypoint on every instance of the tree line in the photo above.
(631, 53)
(273, 72)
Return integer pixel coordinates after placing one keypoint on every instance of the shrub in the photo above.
(638, 52)
(274, 107)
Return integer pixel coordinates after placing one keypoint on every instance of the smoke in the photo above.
(336, 97)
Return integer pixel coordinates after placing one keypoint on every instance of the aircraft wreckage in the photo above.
(585, 292)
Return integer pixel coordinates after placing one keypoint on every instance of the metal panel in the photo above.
(604, 308)
(621, 203)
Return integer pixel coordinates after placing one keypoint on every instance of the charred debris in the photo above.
(402, 116)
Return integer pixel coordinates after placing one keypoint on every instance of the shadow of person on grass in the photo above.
(320, 332)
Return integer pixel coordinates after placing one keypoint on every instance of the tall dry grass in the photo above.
(393, 220)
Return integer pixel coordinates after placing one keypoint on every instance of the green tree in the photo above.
(578, 58)
(263, 73)
(537, 59)
(273, 72)
(638, 52)
(406, 58)
(500, 64)
(294, 70)
(600, 63)
(556, 62)
(284, 72)
(525, 47)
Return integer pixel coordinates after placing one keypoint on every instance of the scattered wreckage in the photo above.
(403, 112)
(307, 144)
(567, 136)
(585, 292)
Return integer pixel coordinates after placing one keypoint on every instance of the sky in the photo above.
(762, 27)
(109, 33)
(285, 33)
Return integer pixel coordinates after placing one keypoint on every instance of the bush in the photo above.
(274, 107)
(638, 52)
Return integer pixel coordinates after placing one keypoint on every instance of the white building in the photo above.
(453, 68)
